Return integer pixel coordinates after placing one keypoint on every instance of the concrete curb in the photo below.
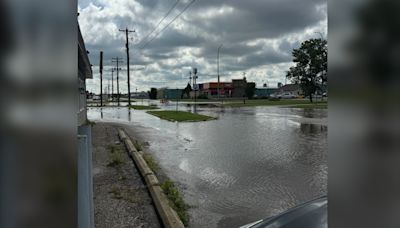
(169, 217)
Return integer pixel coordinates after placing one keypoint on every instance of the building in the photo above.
(239, 87)
(292, 89)
(166, 93)
(173, 94)
(210, 89)
(264, 92)
(140, 95)
(84, 155)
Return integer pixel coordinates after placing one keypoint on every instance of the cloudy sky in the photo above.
(257, 36)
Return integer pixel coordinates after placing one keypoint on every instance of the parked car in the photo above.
(312, 214)
(287, 95)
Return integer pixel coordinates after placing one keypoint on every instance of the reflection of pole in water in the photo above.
(101, 113)
(129, 115)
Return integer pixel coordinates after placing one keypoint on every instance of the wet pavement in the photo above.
(249, 164)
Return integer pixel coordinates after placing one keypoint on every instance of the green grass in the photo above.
(265, 102)
(137, 145)
(115, 156)
(151, 163)
(176, 201)
(310, 106)
(180, 116)
(143, 107)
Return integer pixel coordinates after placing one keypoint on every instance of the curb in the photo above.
(169, 217)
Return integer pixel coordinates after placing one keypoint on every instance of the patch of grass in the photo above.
(180, 116)
(116, 193)
(151, 163)
(266, 102)
(89, 122)
(176, 201)
(115, 156)
(310, 106)
(137, 145)
(143, 107)
(127, 194)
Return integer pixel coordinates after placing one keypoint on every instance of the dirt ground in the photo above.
(121, 198)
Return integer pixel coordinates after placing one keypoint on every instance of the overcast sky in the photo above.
(257, 36)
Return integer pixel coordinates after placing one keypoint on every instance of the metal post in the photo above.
(219, 48)
(101, 78)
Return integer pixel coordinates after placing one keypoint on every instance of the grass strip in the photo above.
(176, 201)
(143, 107)
(265, 102)
(180, 116)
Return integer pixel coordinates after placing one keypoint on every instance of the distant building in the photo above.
(140, 95)
(173, 94)
(210, 89)
(264, 92)
(239, 87)
(292, 89)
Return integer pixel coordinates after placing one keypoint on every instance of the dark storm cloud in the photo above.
(255, 33)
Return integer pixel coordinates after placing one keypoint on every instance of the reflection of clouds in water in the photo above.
(185, 166)
(293, 123)
(211, 176)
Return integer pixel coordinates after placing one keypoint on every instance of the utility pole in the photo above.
(195, 87)
(112, 84)
(190, 80)
(219, 48)
(101, 78)
(127, 61)
(117, 60)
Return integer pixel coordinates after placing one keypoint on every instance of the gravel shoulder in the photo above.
(121, 198)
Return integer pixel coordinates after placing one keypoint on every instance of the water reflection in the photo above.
(249, 164)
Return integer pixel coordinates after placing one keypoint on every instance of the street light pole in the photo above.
(219, 48)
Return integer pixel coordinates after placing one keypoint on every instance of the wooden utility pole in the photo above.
(101, 78)
(127, 61)
(112, 84)
(117, 60)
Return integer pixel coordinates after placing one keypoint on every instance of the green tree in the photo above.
(311, 66)
(187, 90)
(250, 89)
(153, 93)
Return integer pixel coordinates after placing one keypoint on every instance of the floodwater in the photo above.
(249, 164)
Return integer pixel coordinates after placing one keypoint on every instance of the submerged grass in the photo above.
(180, 116)
(171, 191)
(176, 201)
(143, 107)
(151, 163)
(266, 102)
(137, 145)
(311, 106)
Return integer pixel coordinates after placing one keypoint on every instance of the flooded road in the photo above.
(249, 164)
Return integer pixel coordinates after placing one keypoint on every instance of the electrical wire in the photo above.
(177, 16)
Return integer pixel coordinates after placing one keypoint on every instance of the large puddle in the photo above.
(249, 164)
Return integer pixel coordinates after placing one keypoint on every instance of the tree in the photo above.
(250, 89)
(187, 90)
(153, 93)
(311, 66)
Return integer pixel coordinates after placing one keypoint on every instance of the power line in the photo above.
(166, 15)
(187, 6)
